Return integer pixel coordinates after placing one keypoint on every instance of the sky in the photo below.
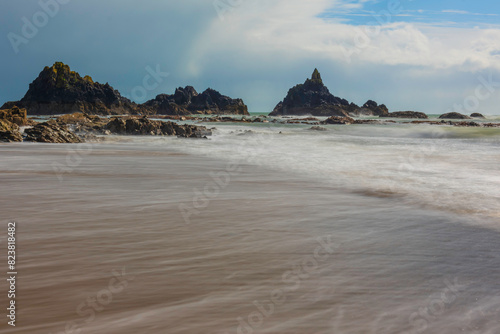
(421, 55)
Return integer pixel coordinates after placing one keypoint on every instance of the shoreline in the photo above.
(124, 212)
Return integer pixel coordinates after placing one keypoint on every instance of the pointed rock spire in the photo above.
(316, 77)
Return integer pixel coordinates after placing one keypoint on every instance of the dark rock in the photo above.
(51, 132)
(10, 136)
(313, 97)
(146, 127)
(187, 101)
(477, 115)
(406, 114)
(454, 115)
(371, 108)
(466, 124)
(338, 120)
(58, 90)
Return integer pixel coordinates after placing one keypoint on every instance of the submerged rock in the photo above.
(338, 120)
(406, 114)
(454, 115)
(318, 128)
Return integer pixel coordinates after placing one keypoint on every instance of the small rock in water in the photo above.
(318, 128)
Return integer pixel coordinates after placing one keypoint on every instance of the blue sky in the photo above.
(458, 13)
(429, 57)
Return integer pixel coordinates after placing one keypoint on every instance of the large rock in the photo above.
(58, 90)
(9, 132)
(454, 115)
(313, 98)
(371, 108)
(406, 114)
(51, 132)
(15, 115)
(145, 127)
(82, 123)
(187, 101)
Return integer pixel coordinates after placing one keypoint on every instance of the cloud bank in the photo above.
(257, 49)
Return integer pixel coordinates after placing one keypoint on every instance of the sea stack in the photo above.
(58, 90)
(187, 101)
(313, 98)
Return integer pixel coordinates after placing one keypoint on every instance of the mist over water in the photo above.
(455, 169)
(313, 232)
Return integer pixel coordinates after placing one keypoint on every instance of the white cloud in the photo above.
(292, 29)
(464, 12)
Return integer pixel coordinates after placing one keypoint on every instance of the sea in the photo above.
(262, 228)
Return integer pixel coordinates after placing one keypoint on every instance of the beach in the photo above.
(280, 229)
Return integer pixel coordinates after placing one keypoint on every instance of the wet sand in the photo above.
(105, 248)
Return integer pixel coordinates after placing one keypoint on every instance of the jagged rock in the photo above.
(144, 126)
(58, 90)
(82, 123)
(371, 108)
(187, 101)
(313, 97)
(454, 115)
(406, 114)
(51, 132)
(477, 115)
(15, 115)
(338, 120)
(10, 136)
(9, 132)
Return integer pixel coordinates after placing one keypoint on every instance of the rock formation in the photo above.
(313, 97)
(187, 101)
(10, 120)
(454, 115)
(15, 115)
(51, 132)
(406, 114)
(9, 132)
(58, 90)
(338, 120)
(144, 126)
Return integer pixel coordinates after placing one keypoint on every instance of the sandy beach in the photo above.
(106, 248)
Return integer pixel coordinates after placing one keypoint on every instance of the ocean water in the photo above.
(450, 168)
(261, 229)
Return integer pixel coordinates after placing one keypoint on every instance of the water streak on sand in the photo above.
(404, 261)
